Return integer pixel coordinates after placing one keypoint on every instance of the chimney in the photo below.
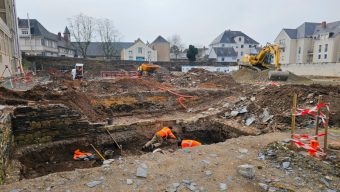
(59, 36)
(324, 24)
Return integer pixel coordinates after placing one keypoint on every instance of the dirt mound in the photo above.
(124, 85)
(244, 75)
(200, 78)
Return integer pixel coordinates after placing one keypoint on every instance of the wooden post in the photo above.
(326, 131)
(293, 115)
(317, 118)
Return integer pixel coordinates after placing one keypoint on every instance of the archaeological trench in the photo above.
(41, 128)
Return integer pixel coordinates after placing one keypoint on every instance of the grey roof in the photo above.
(303, 31)
(225, 52)
(333, 27)
(95, 49)
(228, 37)
(160, 39)
(67, 31)
(37, 29)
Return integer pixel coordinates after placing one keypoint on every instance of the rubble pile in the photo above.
(200, 78)
(317, 174)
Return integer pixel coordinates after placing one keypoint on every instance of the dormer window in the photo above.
(24, 32)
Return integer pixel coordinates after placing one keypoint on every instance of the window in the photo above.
(254, 46)
(43, 42)
(130, 52)
(241, 53)
(299, 52)
(242, 46)
(249, 46)
(240, 39)
(326, 48)
(319, 56)
(24, 32)
(222, 59)
(130, 58)
(149, 53)
(282, 42)
(320, 47)
(325, 56)
(222, 45)
(140, 50)
(283, 50)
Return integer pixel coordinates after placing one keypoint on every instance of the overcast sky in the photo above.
(198, 22)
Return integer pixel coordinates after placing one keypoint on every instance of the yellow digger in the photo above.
(262, 61)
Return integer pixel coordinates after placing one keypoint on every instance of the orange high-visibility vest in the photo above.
(165, 132)
(190, 143)
(78, 154)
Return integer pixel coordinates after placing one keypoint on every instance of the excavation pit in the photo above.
(40, 160)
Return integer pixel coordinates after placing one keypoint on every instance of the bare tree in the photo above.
(109, 36)
(83, 31)
(176, 45)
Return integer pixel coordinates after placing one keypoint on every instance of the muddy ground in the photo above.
(263, 108)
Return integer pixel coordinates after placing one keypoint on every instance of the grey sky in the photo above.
(198, 22)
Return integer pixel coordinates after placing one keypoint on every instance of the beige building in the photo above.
(9, 48)
(139, 51)
(310, 43)
(162, 47)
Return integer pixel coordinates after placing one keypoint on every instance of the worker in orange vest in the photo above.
(188, 143)
(158, 139)
(78, 155)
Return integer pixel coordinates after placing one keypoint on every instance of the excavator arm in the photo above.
(260, 61)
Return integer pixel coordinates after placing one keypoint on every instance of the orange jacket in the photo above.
(165, 132)
(190, 143)
(79, 155)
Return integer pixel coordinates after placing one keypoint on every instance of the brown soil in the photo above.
(248, 75)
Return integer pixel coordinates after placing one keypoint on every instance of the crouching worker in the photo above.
(81, 156)
(188, 143)
(158, 139)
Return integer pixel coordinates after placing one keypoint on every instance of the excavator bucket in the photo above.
(278, 75)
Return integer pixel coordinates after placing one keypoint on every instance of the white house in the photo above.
(34, 39)
(139, 51)
(310, 43)
(231, 46)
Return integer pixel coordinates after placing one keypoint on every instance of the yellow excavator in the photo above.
(262, 61)
(147, 68)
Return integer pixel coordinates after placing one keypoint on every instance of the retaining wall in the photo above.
(5, 142)
(95, 66)
(314, 69)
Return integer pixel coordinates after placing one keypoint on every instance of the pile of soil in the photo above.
(248, 75)
(123, 85)
(200, 78)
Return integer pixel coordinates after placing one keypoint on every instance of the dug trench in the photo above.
(39, 160)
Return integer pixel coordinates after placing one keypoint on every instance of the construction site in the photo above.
(243, 121)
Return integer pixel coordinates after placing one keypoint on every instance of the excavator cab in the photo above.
(263, 60)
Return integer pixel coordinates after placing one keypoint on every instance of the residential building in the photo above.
(139, 51)
(310, 43)
(231, 46)
(35, 39)
(180, 56)
(95, 50)
(203, 54)
(162, 47)
(10, 57)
